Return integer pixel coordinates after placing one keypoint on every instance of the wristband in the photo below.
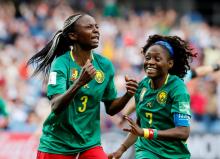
(216, 67)
(155, 133)
(146, 133)
(151, 134)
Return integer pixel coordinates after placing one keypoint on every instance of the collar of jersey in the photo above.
(71, 54)
(168, 75)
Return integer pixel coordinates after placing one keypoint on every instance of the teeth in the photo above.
(151, 68)
(95, 38)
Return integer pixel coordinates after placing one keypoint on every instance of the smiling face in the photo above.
(86, 32)
(157, 62)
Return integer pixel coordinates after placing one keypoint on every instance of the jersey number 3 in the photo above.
(84, 100)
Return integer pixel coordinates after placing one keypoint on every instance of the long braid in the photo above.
(59, 44)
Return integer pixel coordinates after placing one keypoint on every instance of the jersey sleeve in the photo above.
(110, 92)
(3, 109)
(181, 119)
(181, 100)
(57, 83)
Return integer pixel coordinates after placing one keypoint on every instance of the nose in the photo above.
(95, 29)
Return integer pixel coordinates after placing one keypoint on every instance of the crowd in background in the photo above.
(26, 28)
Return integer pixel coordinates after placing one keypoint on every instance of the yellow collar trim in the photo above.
(167, 79)
(71, 54)
(168, 75)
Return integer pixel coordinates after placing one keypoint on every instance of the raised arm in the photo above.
(204, 70)
(60, 101)
(129, 141)
(115, 106)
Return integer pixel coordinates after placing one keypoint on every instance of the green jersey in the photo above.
(3, 110)
(77, 128)
(155, 109)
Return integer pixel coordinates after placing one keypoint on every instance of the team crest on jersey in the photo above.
(75, 74)
(162, 97)
(99, 77)
(143, 91)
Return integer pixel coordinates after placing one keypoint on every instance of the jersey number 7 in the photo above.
(150, 117)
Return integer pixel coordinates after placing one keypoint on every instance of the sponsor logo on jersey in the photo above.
(143, 91)
(75, 74)
(162, 97)
(52, 78)
(99, 77)
(149, 104)
(184, 107)
(86, 85)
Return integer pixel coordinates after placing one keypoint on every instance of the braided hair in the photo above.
(59, 44)
(182, 53)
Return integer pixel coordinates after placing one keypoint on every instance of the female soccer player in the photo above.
(200, 71)
(79, 80)
(162, 102)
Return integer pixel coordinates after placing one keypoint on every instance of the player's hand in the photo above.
(87, 73)
(134, 128)
(116, 155)
(131, 86)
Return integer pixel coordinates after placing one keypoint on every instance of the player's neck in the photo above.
(159, 82)
(81, 56)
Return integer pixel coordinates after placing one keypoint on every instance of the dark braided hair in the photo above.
(59, 44)
(182, 53)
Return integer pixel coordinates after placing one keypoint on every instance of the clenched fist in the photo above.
(131, 86)
(87, 73)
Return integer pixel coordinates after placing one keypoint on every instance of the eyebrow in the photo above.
(88, 24)
(152, 52)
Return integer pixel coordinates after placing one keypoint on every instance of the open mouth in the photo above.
(150, 70)
(95, 38)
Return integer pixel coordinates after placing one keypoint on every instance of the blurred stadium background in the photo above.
(26, 25)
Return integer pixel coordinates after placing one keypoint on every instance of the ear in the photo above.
(170, 64)
(72, 36)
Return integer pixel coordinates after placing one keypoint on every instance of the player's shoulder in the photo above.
(175, 80)
(103, 62)
(177, 84)
(61, 60)
(101, 58)
(64, 56)
(144, 81)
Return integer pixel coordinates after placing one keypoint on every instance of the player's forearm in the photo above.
(204, 70)
(129, 109)
(118, 104)
(177, 133)
(60, 102)
(129, 141)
